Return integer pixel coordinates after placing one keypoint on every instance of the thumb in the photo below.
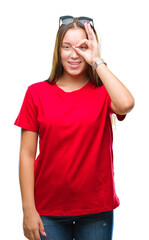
(41, 227)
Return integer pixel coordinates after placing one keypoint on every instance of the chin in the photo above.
(76, 72)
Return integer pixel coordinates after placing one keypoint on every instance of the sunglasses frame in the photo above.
(87, 19)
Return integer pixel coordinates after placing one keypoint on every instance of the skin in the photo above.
(73, 78)
(31, 219)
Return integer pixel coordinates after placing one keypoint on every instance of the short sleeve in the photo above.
(119, 116)
(27, 117)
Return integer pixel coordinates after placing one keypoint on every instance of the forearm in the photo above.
(26, 177)
(119, 94)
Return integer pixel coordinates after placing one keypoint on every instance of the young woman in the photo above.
(68, 190)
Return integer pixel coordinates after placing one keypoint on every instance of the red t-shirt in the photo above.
(74, 173)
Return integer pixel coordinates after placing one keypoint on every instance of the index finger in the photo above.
(84, 41)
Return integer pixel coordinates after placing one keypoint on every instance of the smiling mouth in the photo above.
(74, 63)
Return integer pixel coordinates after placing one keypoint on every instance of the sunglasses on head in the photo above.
(69, 19)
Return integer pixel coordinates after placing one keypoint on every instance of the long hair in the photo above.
(57, 68)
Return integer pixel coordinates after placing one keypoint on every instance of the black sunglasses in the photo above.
(69, 19)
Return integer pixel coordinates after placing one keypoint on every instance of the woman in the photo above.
(68, 190)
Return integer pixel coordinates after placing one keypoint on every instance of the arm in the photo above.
(26, 167)
(32, 221)
(122, 100)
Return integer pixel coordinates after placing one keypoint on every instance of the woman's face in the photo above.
(73, 63)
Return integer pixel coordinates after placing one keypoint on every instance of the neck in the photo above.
(69, 79)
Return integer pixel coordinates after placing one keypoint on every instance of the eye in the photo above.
(83, 47)
(66, 47)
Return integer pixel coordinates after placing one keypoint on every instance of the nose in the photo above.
(74, 54)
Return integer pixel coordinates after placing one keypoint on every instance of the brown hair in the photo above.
(57, 68)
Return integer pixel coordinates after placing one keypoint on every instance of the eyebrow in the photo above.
(66, 42)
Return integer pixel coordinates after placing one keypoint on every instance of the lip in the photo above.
(74, 64)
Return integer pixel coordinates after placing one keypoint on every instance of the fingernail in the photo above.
(44, 234)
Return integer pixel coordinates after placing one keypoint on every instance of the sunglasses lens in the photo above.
(85, 19)
(67, 20)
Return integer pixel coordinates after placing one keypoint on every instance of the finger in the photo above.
(80, 52)
(84, 41)
(31, 236)
(86, 28)
(26, 234)
(41, 227)
(90, 32)
(37, 235)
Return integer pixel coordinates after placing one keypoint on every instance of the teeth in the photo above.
(74, 63)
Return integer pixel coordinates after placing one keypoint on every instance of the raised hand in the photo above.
(92, 52)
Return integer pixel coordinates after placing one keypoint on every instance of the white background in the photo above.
(28, 31)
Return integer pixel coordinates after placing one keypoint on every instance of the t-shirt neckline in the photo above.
(74, 92)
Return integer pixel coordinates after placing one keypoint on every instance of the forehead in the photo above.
(74, 35)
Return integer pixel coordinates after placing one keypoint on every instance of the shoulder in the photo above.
(40, 90)
(36, 86)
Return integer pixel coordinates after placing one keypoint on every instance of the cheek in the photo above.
(64, 55)
(84, 63)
